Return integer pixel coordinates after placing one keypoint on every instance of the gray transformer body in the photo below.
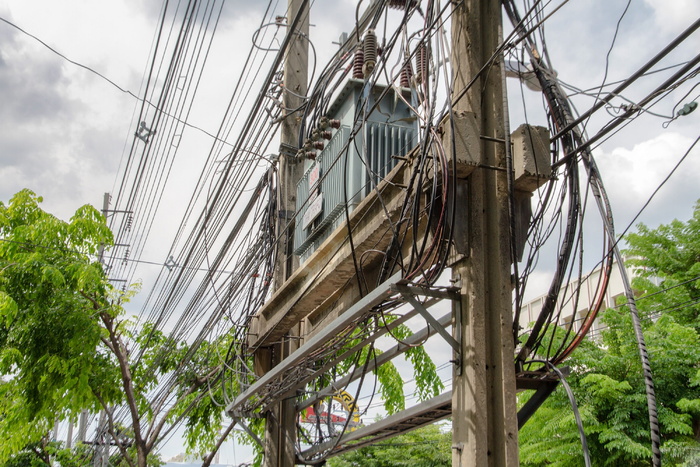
(375, 125)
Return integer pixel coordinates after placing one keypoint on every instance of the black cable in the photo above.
(100, 75)
(558, 101)
(688, 68)
(607, 57)
(631, 79)
(574, 408)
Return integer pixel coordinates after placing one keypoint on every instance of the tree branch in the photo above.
(127, 383)
(207, 460)
(177, 421)
(95, 303)
(198, 382)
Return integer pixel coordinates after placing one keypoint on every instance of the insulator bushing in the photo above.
(402, 4)
(406, 74)
(318, 145)
(334, 123)
(323, 122)
(421, 62)
(310, 155)
(370, 49)
(357, 63)
(326, 135)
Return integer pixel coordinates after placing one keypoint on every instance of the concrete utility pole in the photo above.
(105, 211)
(280, 426)
(82, 426)
(100, 450)
(484, 422)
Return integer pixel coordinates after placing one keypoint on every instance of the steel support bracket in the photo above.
(408, 293)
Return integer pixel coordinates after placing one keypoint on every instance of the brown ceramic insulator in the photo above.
(401, 4)
(370, 48)
(421, 62)
(406, 74)
(357, 63)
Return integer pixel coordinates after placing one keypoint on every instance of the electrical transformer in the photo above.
(370, 125)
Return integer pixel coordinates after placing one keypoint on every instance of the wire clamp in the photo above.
(170, 263)
(143, 132)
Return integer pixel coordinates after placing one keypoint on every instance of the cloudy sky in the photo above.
(64, 131)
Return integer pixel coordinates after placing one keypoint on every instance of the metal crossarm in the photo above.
(417, 416)
(380, 360)
(375, 297)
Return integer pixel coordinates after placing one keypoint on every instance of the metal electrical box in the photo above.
(375, 125)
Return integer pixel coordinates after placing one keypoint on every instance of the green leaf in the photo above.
(607, 378)
(8, 309)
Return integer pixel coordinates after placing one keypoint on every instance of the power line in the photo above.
(105, 78)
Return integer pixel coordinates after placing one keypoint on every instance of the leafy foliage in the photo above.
(48, 329)
(428, 384)
(607, 378)
(391, 385)
(42, 454)
(66, 344)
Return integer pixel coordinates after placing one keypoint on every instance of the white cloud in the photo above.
(632, 175)
(674, 15)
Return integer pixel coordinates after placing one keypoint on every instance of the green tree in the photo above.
(48, 332)
(606, 374)
(42, 454)
(428, 446)
(66, 343)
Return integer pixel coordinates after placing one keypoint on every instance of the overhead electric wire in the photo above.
(642, 71)
(689, 69)
(209, 165)
(601, 199)
(223, 177)
(233, 246)
(607, 58)
(85, 67)
(137, 196)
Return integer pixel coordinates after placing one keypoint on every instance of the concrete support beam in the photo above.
(320, 280)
